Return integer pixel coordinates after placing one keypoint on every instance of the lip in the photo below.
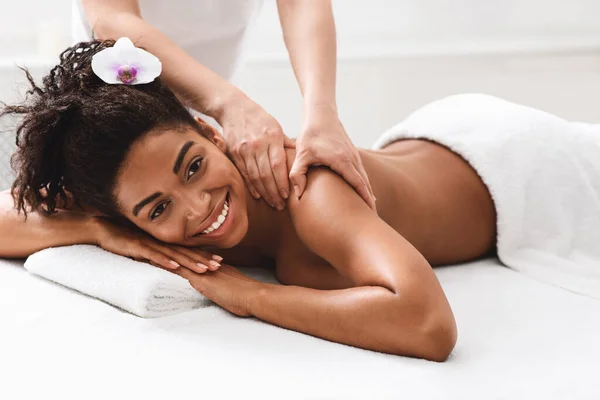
(212, 218)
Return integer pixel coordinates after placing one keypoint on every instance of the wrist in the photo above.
(257, 298)
(93, 227)
(317, 110)
(228, 100)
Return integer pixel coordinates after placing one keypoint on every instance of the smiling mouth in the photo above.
(220, 219)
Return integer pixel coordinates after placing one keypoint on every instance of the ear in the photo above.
(209, 132)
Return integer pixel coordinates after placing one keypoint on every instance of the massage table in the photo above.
(518, 339)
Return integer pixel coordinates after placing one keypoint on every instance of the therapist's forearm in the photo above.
(196, 85)
(309, 34)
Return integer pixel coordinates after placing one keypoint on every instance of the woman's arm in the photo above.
(397, 306)
(310, 37)
(24, 237)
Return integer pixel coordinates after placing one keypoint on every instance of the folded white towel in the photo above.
(137, 287)
(543, 173)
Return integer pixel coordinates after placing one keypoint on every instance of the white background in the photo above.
(394, 56)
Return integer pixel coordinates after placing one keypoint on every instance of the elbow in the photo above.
(439, 337)
(432, 335)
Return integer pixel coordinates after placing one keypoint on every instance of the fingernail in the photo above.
(173, 263)
(285, 194)
(218, 258)
(214, 263)
(297, 190)
(280, 207)
(202, 266)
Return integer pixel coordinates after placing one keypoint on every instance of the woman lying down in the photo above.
(127, 168)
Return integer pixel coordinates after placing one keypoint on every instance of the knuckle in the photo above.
(256, 144)
(273, 133)
(277, 161)
(241, 147)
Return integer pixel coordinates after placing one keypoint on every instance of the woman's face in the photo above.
(181, 188)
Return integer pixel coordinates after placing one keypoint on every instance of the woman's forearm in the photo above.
(196, 85)
(309, 34)
(369, 317)
(21, 238)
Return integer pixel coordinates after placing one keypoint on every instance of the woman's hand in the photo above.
(255, 143)
(227, 287)
(140, 246)
(323, 141)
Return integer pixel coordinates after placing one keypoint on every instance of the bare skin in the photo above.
(350, 274)
(353, 275)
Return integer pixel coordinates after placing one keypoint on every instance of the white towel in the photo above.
(137, 287)
(543, 173)
(140, 288)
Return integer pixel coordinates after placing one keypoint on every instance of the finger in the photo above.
(363, 173)
(204, 258)
(268, 179)
(179, 259)
(254, 176)
(186, 273)
(372, 202)
(278, 160)
(241, 166)
(156, 257)
(289, 143)
(298, 175)
(347, 171)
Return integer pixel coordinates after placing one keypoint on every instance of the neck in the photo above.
(264, 225)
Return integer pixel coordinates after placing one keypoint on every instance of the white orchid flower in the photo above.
(125, 64)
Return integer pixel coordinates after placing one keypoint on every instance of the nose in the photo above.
(197, 206)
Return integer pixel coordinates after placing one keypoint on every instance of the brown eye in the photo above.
(159, 210)
(194, 167)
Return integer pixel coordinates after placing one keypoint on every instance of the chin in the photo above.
(231, 226)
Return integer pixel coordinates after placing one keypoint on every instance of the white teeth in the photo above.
(220, 219)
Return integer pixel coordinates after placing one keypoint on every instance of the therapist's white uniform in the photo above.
(211, 31)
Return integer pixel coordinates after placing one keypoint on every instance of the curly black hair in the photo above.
(76, 131)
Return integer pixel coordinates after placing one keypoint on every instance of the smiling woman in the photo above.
(149, 176)
(158, 188)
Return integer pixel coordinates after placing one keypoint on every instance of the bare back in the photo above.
(428, 194)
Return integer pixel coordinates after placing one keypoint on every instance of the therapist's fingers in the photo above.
(254, 178)
(268, 180)
(278, 161)
(359, 181)
(240, 164)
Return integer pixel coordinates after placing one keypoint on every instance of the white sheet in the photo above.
(543, 173)
(518, 339)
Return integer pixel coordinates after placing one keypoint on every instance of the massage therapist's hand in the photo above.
(140, 246)
(255, 143)
(227, 287)
(324, 141)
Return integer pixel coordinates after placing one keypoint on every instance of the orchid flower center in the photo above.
(126, 74)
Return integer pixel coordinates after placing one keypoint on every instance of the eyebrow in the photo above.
(142, 204)
(182, 153)
(181, 156)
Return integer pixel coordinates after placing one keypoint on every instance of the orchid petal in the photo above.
(148, 66)
(106, 63)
